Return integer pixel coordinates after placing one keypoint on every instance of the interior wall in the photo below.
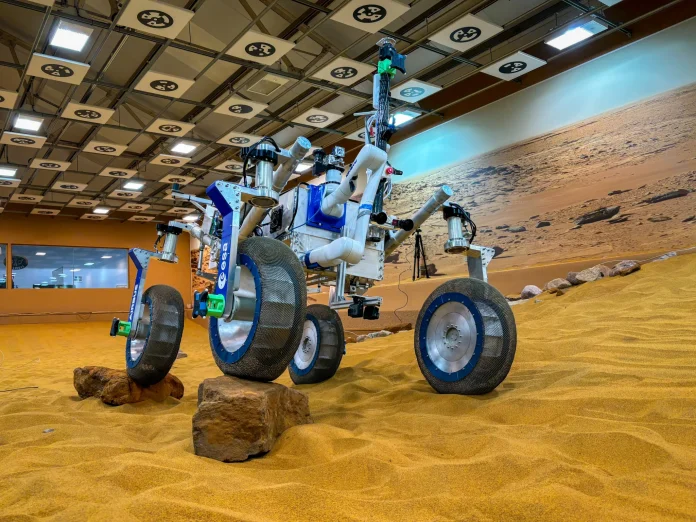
(650, 66)
(66, 305)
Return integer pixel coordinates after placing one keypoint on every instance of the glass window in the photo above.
(68, 267)
(3, 266)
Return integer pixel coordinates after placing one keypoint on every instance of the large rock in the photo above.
(557, 284)
(624, 268)
(530, 291)
(572, 278)
(238, 419)
(598, 215)
(593, 274)
(667, 195)
(115, 387)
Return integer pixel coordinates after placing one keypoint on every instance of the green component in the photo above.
(384, 66)
(124, 328)
(215, 304)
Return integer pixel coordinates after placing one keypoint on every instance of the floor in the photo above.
(596, 421)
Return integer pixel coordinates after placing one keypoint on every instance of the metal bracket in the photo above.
(141, 260)
(477, 260)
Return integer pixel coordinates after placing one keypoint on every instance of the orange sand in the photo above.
(596, 421)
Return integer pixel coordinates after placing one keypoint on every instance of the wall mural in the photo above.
(637, 163)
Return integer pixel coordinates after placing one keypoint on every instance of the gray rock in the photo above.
(659, 219)
(690, 218)
(557, 284)
(667, 195)
(381, 333)
(598, 215)
(624, 268)
(593, 274)
(542, 224)
(497, 251)
(620, 219)
(572, 278)
(665, 256)
(237, 419)
(502, 227)
(515, 230)
(530, 291)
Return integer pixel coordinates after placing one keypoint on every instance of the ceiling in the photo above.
(120, 60)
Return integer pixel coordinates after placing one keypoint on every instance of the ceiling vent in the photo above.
(267, 85)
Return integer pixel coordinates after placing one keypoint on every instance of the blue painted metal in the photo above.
(422, 336)
(225, 265)
(316, 218)
(130, 363)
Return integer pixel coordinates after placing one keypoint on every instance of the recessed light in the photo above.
(190, 217)
(41, 253)
(303, 166)
(28, 123)
(184, 147)
(106, 257)
(7, 171)
(71, 36)
(577, 34)
(74, 269)
(89, 264)
(402, 117)
(134, 185)
(101, 210)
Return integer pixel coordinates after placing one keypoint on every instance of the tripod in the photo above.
(418, 253)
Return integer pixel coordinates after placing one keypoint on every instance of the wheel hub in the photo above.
(308, 346)
(451, 337)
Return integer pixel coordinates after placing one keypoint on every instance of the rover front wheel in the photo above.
(321, 349)
(465, 337)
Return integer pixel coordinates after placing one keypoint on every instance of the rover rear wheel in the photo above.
(259, 343)
(465, 337)
(151, 352)
(321, 348)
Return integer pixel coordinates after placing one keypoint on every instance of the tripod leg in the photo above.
(425, 261)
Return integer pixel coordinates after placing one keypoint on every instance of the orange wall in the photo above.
(61, 305)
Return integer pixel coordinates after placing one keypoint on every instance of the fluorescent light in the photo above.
(106, 257)
(184, 147)
(70, 36)
(41, 253)
(74, 269)
(134, 185)
(190, 217)
(303, 166)
(61, 275)
(8, 172)
(27, 123)
(101, 210)
(89, 264)
(401, 118)
(577, 34)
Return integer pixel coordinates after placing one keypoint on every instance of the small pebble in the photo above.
(49, 430)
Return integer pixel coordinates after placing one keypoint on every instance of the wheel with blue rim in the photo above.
(262, 336)
(321, 348)
(465, 337)
(152, 349)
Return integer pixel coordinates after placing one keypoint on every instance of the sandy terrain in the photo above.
(645, 149)
(596, 421)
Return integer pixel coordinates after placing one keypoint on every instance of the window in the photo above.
(67, 267)
(3, 266)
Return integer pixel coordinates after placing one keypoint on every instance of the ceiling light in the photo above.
(401, 117)
(134, 185)
(61, 275)
(101, 210)
(89, 264)
(41, 253)
(74, 269)
(303, 166)
(27, 123)
(191, 217)
(7, 171)
(70, 36)
(106, 257)
(577, 34)
(184, 147)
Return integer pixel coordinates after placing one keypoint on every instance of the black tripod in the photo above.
(418, 253)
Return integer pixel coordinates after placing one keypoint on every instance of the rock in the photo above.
(381, 333)
(401, 327)
(497, 251)
(515, 230)
(624, 268)
(576, 227)
(542, 224)
(659, 219)
(557, 284)
(690, 218)
(621, 219)
(665, 256)
(350, 337)
(534, 216)
(513, 297)
(530, 291)
(237, 419)
(502, 227)
(667, 195)
(597, 215)
(181, 355)
(572, 278)
(593, 274)
(616, 192)
(560, 292)
(115, 387)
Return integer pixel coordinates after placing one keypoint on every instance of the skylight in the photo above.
(184, 147)
(101, 210)
(27, 123)
(7, 171)
(70, 36)
(134, 185)
(576, 35)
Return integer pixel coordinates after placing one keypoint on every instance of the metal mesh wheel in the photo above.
(151, 352)
(465, 337)
(259, 344)
(321, 348)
